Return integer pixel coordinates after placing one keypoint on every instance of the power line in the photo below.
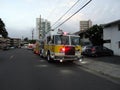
(73, 14)
(32, 34)
(66, 12)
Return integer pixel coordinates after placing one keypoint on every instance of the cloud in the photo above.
(73, 24)
(71, 3)
(103, 11)
(29, 1)
(68, 3)
(19, 33)
(20, 15)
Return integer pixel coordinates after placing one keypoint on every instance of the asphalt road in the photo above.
(20, 69)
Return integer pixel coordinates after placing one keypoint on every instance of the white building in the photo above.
(84, 25)
(111, 35)
(42, 26)
(84, 40)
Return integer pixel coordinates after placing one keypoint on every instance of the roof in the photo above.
(79, 32)
(111, 23)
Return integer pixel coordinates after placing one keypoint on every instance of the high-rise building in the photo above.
(43, 26)
(84, 25)
(38, 27)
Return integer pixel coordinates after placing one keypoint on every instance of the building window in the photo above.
(119, 44)
(107, 41)
(119, 27)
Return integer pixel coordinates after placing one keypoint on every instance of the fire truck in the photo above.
(36, 47)
(61, 46)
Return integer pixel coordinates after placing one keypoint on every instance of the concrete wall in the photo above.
(112, 33)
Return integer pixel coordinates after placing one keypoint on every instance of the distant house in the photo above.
(15, 42)
(111, 36)
(84, 40)
(9, 42)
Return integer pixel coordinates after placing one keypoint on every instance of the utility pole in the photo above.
(32, 34)
(40, 27)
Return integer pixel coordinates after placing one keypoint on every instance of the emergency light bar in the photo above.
(61, 32)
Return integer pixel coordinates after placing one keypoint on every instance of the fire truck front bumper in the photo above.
(67, 58)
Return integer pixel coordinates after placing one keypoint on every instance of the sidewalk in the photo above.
(98, 65)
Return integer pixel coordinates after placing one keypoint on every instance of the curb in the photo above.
(111, 77)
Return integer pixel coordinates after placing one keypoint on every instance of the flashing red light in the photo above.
(65, 33)
(62, 50)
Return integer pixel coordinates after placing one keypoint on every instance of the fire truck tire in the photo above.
(41, 53)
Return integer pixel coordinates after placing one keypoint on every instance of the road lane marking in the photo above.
(41, 65)
(66, 71)
(11, 56)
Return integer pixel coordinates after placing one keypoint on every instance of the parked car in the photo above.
(96, 51)
(6, 48)
(30, 46)
(12, 47)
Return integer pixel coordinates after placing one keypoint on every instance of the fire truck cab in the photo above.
(62, 46)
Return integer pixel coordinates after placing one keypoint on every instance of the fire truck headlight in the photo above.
(80, 59)
(61, 60)
(52, 56)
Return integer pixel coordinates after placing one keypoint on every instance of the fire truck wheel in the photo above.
(41, 55)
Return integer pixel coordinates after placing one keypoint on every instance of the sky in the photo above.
(20, 16)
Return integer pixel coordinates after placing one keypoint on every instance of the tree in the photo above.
(32, 41)
(3, 31)
(95, 35)
(29, 41)
(26, 39)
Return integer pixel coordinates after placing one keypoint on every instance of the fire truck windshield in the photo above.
(75, 40)
(60, 39)
(65, 40)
